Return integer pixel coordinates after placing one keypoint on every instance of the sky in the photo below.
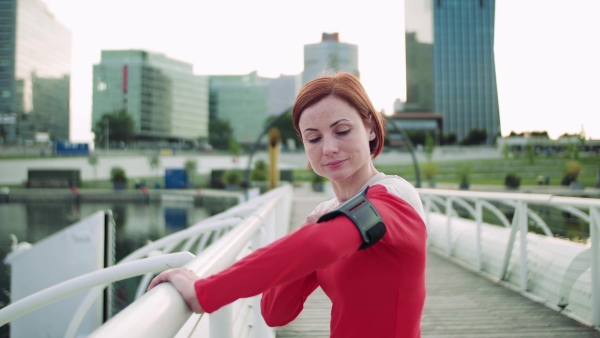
(546, 51)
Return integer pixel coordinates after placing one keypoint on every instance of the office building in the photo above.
(35, 68)
(282, 92)
(450, 64)
(167, 102)
(329, 56)
(243, 100)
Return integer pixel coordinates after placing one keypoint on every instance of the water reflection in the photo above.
(136, 224)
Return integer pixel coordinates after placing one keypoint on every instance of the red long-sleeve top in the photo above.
(375, 292)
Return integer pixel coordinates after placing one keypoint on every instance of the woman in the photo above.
(375, 292)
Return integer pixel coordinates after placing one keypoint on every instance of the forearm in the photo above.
(287, 259)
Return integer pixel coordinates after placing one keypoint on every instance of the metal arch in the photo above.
(496, 212)
(411, 149)
(572, 210)
(436, 199)
(530, 213)
(466, 205)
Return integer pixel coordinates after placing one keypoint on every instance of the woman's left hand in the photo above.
(313, 218)
(183, 280)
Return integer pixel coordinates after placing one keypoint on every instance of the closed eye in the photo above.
(343, 133)
(314, 140)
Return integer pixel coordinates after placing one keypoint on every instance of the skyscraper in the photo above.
(35, 68)
(165, 99)
(454, 41)
(329, 56)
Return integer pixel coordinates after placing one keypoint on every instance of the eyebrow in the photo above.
(330, 126)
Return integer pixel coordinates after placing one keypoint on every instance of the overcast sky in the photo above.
(547, 54)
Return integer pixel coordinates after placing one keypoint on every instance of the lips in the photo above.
(335, 164)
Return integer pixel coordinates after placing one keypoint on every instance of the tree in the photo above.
(191, 166)
(449, 139)
(114, 127)
(429, 146)
(93, 161)
(3, 134)
(505, 151)
(530, 152)
(219, 134)
(234, 148)
(475, 137)
(154, 162)
(285, 124)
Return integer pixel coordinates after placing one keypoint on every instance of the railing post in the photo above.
(449, 225)
(511, 241)
(595, 241)
(478, 221)
(523, 229)
(427, 212)
(221, 323)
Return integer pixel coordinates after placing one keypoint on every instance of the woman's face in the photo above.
(335, 139)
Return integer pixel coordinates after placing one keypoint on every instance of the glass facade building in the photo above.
(329, 56)
(460, 34)
(35, 68)
(165, 99)
(243, 100)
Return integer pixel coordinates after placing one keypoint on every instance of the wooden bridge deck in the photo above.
(459, 303)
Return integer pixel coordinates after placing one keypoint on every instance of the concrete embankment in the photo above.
(211, 199)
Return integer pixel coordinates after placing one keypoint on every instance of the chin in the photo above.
(337, 176)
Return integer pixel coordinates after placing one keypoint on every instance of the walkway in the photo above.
(459, 303)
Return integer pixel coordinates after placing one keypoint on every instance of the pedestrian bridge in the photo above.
(495, 269)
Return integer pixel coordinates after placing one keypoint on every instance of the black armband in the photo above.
(363, 214)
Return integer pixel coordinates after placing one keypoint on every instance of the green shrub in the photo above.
(571, 172)
(232, 177)
(512, 181)
(117, 175)
(463, 173)
(429, 170)
(260, 173)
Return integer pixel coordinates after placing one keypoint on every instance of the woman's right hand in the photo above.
(183, 280)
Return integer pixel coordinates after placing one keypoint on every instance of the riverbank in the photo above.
(208, 198)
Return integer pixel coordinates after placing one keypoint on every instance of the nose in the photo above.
(330, 146)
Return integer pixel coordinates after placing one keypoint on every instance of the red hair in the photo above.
(348, 88)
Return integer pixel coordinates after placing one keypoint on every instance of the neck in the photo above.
(350, 186)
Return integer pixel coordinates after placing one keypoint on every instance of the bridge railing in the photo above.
(218, 241)
(513, 238)
(163, 313)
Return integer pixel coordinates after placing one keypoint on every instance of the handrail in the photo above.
(455, 243)
(87, 281)
(162, 312)
(220, 222)
(214, 223)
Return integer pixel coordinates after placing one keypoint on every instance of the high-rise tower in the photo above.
(454, 41)
(329, 56)
(35, 68)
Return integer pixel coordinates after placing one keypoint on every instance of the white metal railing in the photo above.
(163, 313)
(217, 240)
(555, 270)
(101, 277)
